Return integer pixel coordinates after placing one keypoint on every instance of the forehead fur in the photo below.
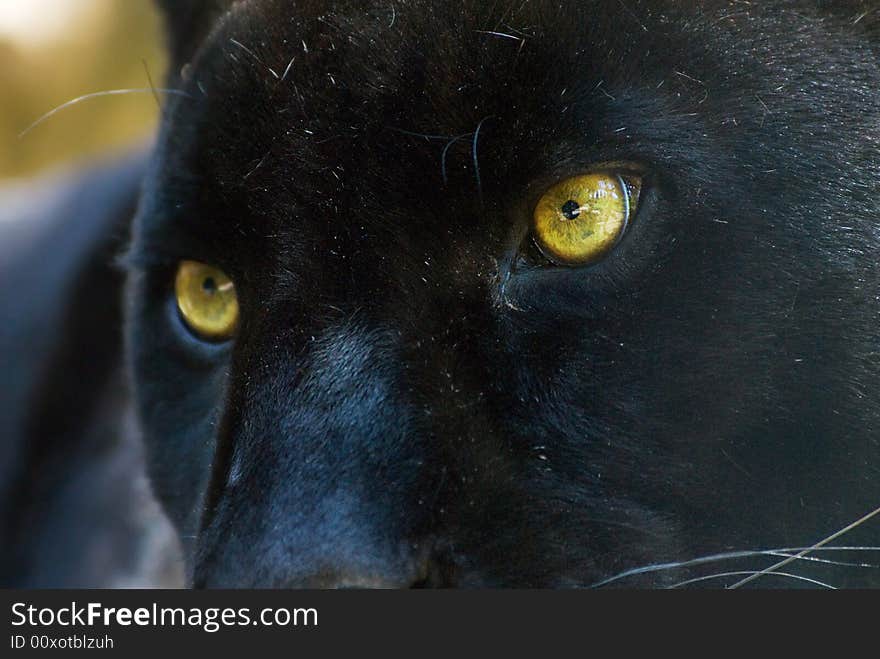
(316, 83)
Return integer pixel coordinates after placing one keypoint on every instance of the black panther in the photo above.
(512, 293)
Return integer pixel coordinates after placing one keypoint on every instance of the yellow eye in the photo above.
(206, 299)
(580, 219)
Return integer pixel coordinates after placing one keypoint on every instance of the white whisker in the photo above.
(477, 160)
(109, 92)
(823, 560)
(712, 558)
(721, 575)
(790, 559)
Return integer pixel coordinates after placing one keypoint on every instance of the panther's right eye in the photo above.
(579, 220)
(206, 300)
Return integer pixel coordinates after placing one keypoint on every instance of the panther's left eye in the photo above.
(579, 220)
(206, 300)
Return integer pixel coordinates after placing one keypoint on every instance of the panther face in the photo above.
(511, 294)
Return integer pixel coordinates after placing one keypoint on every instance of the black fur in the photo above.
(408, 399)
(415, 398)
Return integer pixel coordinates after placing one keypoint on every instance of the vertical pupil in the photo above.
(209, 285)
(571, 209)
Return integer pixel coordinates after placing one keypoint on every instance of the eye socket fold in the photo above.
(206, 300)
(579, 220)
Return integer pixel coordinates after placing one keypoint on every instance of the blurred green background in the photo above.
(52, 51)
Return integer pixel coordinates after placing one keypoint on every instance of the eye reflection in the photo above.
(206, 300)
(579, 220)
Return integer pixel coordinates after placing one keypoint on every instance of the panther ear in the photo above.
(188, 23)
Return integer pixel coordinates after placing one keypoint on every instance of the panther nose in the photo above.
(331, 485)
(354, 580)
(326, 581)
(261, 564)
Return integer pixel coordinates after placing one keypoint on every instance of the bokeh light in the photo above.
(52, 51)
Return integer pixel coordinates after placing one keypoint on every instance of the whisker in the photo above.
(476, 158)
(721, 575)
(109, 92)
(660, 567)
(446, 152)
(152, 86)
(713, 558)
(790, 559)
(826, 561)
(826, 548)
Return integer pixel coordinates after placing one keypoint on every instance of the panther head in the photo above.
(509, 294)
